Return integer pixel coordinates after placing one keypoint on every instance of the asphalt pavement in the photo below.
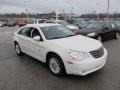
(27, 73)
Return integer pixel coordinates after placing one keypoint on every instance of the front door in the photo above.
(36, 47)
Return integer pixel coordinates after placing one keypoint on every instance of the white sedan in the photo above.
(60, 48)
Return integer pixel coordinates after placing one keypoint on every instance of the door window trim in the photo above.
(39, 33)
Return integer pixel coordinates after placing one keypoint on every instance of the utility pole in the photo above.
(56, 10)
(98, 12)
(27, 9)
(71, 6)
(108, 9)
(72, 10)
(57, 14)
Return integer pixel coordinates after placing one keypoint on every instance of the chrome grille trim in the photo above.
(97, 53)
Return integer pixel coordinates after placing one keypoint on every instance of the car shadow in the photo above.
(38, 65)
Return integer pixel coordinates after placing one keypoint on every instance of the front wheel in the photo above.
(56, 65)
(117, 35)
(18, 50)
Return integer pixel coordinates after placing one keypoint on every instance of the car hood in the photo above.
(72, 27)
(86, 31)
(78, 43)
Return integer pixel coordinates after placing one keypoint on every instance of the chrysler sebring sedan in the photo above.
(60, 48)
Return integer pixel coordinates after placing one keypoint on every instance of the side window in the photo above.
(49, 22)
(107, 25)
(35, 32)
(113, 25)
(70, 21)
(35, 21)
(25, 32)
(75, 22)
(31, 21)
(40, 21)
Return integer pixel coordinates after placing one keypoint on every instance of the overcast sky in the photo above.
(44, 6)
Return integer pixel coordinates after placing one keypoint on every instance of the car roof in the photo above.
(43, 24)
(56, 20)
(101, 21)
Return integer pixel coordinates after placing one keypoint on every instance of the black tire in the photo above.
(99, 37)
(117, 35)
(18, 50)
(60, 65)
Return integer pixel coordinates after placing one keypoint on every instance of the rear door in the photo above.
(24, 36)
(107, 30)
(114, 29)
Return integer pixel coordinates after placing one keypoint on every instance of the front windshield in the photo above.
(117, 23)
(70, 21)
(41, 21)
(56, 32)
(95, 25)
(31, 21)
(82, 22)
(63, 23)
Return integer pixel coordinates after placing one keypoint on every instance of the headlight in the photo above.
(78, 55)
(91, 34)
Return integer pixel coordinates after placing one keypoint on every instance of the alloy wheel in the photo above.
(54, 65)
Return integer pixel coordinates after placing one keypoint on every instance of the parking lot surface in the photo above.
(27, 73)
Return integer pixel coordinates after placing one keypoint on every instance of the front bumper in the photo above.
(87, 66)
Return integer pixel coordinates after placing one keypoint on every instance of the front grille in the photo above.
(97, 53)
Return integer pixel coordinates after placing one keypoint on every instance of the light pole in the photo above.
(108, 8)
(98, 12)
(72, 10)
(71, 6)
(27, 11)
(56, 10)
(57, 13)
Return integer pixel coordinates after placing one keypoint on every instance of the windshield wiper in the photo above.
(92, 28)
(69, 35)
(62, 37)
(56, 37)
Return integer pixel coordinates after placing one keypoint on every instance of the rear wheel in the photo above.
(56, 65)
(117, 35)
(18, 50)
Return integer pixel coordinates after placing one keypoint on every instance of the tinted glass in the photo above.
(63, 23)
(95, 25)
(25, 32)
(41, 21)
(56, 32)
(113, 25)
(117, 23)
(49, 22)
(107, 25)
(35, 32)
(31, 21)
(70, 21)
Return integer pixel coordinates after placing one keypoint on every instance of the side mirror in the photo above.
(106, 27)
(37, 38)
(76, 23)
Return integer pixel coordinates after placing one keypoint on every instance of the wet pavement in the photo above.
(27, 73)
